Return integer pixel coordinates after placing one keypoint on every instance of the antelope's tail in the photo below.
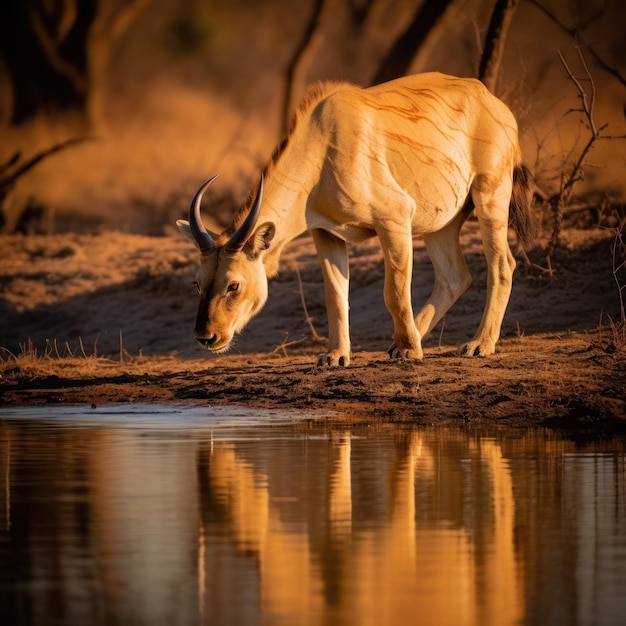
(520, 213)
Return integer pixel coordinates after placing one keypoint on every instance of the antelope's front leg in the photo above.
(398, 256)
(333, 256)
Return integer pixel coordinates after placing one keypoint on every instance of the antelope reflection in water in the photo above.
(424, 547)
(133, 525)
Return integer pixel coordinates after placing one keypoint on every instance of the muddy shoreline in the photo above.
(539, 382)
(98, 319)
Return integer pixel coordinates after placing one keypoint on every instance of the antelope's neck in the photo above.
(284, 204)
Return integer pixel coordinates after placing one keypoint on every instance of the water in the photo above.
(134, 515)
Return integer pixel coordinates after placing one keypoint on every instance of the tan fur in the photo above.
(404, 159)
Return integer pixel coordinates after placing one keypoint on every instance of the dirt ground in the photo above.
(109, 318)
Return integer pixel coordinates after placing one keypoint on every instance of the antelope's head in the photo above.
(231, 280)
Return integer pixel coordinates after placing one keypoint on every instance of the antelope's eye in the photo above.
(233, 287)
(197, 286)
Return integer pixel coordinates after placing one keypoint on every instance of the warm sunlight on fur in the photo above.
(408, 158)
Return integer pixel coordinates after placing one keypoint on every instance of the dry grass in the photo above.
(62, 360)
(55, 358)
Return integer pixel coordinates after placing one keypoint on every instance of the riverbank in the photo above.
(108, 318)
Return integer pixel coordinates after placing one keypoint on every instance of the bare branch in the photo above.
(617, 267)
(12, 170)
(309, 320)
(22, 169)
(50, 47)
(115, 18)
(574, 32)
(587, 96)
(10, 163)
(594, 17)
(66, 20)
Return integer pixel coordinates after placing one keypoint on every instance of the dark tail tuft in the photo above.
(520, 213)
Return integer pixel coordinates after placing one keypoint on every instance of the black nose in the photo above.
(207, 341)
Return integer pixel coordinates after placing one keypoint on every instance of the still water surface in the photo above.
(134, 515)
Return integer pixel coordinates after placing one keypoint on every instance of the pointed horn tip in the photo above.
(204, 187)
(198, 230)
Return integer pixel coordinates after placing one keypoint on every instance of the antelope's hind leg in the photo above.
(452, 276)
(492, 212)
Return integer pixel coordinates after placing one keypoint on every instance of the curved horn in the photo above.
(241, 235)
(200, 234)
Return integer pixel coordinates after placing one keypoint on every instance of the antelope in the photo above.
(408, 158)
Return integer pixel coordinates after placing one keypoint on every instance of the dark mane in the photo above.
(314, 94)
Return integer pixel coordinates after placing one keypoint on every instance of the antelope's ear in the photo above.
(183, 226)
(261, 238)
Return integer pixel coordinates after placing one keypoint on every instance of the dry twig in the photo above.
(619, 264)
(587, 95)
(286, 344)
(309, 320)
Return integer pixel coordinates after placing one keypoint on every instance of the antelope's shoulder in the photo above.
(334, 102)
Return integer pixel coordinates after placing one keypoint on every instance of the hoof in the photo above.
(405, 354)
(333, 360)
(477, 348)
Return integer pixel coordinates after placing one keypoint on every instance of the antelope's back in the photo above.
(417, 142)
(438, 110)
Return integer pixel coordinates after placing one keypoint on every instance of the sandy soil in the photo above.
(108, 318)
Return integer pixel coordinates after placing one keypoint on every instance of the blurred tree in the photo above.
(57, 52)
(360, 11)
(15, 167)
(398, 60)
(495, 41)
(428, 14)
(294, 61)
(576, 33)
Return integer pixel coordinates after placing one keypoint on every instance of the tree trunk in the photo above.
(360, 11)
(111, 21)
(43, 56)
(292, 66)
(495, 41)
(56, 53)
(398, 60)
